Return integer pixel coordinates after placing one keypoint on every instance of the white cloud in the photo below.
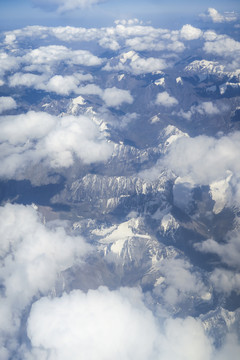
(32, 257)
(164, 99)
(225, 281)
(28, 139)
(133, 63)
(188, 32)
(206, 108)
(31, 254)
(179, 281)
(27, 79)
(109, 43)
(7, 103)
(216, 17)
(204, 159)
(57, 53)
(223, 46)
(152, 43)
(103, 324)
(8, 62)
(64, 85)
(115, 97)
(227, 251)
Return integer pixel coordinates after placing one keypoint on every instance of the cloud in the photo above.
(188, 32)
(103, 324)
(66, 85)
(223, 46)
(115, 97)
(206, 108)
(225, 281)
(178, 281)
(58, 53)
(152, 43)
(28, 139)
(65, 5)
(32, 257)
(204, 159)
(228, 251)
(62, 85)
(8, 62)
(27, 79)
(7, 103)
(109, 43)
(164, 99)
(133, 63)
(216, 17)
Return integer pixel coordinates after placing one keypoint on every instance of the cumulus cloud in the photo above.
(28, 80)
(7, 103)
(225, 281)
(32, 257)
(222, 46)
(133, 63)
(216, 17)
(66, 85)
(109, 43)
(28, 139)
(62, 85)
(204, 159)
(103, 324)
(40, 69)
(209, 161)
(115, 97)
(57, 53)
(8, 62)
(206, 108)
(164, 99)
(189, 32)
(228, 251)
(178, 281)
(152, 43)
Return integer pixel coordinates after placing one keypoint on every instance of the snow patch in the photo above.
(179, 80)
(219, 192)
(160, 82)
(169, 223)
(154, 119)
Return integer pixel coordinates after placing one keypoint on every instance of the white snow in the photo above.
(222, 88)
(207, 296)
(219, 192)
(130, 55)
(120, 77)
(154, 119)
(117, 236)
(172, 134)
(169, 223)
(79, 101)
(159, 281)
(160, 82)
(179, 80)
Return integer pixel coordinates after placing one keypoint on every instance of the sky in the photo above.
(14, 13)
